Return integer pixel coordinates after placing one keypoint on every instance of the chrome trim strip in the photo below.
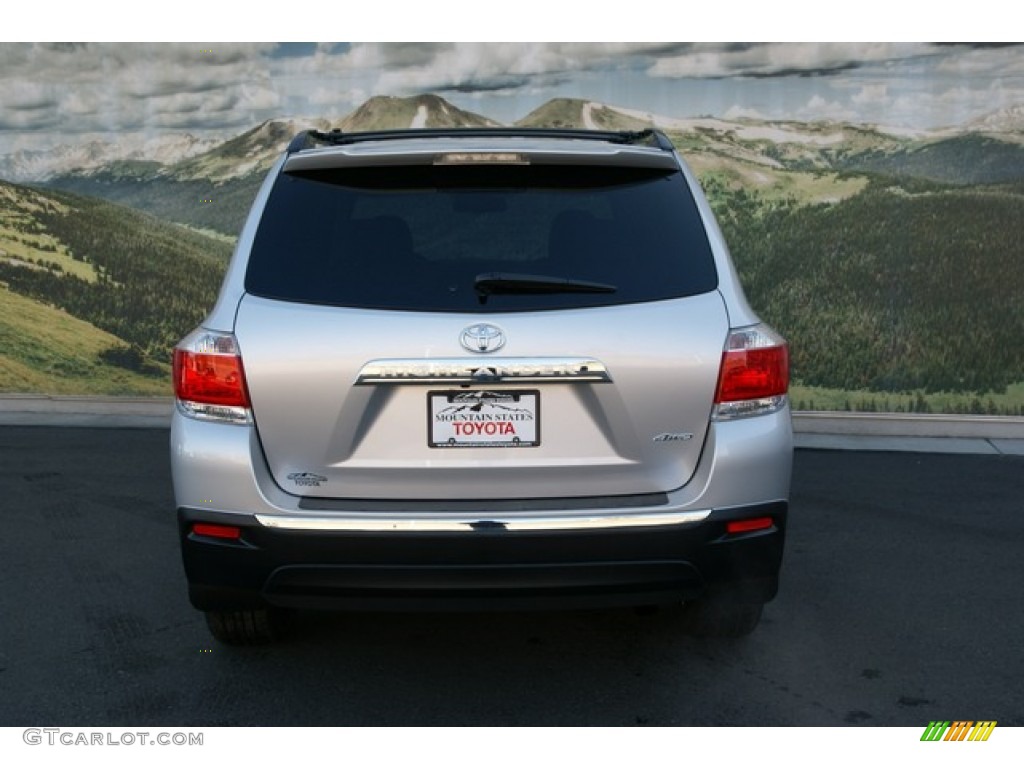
(475, 370)
(470, 524)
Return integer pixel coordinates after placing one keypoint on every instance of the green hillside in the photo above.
(199, 203)
(970, 159)
(23, 242)
(148, 283)
(889, 290)
(44, 349)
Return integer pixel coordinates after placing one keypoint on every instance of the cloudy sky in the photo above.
(65, 93)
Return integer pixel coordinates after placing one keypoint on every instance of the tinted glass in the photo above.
(418, 237)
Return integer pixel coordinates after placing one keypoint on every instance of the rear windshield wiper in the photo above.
(492, 283)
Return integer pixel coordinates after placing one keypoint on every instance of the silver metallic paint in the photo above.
(300, 362)
(222, 467)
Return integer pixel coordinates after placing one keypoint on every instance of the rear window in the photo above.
(421, 237)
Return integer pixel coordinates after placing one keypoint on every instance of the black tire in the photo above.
(250, 626)
(721, 617)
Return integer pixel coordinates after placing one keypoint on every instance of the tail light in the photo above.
(209, 380)
(754, 377)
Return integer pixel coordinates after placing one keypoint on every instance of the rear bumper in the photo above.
(481, 564)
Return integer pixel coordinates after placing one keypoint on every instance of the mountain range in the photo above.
(184, 156)
(211, 187)
(889, 259)
(42, 164)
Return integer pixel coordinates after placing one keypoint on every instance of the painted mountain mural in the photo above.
(890, 258)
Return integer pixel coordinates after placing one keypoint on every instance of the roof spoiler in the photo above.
(647, 137)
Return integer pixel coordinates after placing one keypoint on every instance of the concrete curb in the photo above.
(920, 433)
(909, 425)
(67, 411)
(925, 433)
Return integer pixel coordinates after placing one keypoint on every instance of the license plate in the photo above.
(473, 419)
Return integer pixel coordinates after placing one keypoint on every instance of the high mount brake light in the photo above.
(754, 377)
(209, 379)
(481, 158)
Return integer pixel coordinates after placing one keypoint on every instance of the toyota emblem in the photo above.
(482, 337)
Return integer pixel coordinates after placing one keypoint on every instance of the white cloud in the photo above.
(819, 108)
(124, 87)
(27, 95)
(323, 96)
(781, 59)
(491, 67)
(96, 88)
(872, 94)
(955, 105)
(257, 96)
(983, 63)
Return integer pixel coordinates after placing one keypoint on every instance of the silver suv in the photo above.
(472, 368)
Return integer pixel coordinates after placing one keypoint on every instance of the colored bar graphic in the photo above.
(935, 730)
(982, 730)
(958, 730)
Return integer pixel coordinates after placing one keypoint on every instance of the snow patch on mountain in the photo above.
(419, 120)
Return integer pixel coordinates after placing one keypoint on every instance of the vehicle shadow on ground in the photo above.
(601, 667)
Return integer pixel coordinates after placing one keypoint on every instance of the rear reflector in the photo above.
(746, 526)
(217, 531)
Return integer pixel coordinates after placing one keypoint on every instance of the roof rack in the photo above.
(648, 136)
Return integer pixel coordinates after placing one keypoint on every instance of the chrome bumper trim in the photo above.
(470, 524)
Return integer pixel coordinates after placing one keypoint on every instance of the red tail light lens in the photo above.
(209, 379)
(754, 377)
(213, 379)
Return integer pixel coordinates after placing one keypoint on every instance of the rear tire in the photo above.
(249, 626)
(721, 617)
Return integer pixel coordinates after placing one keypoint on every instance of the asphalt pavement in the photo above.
(900, 603)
